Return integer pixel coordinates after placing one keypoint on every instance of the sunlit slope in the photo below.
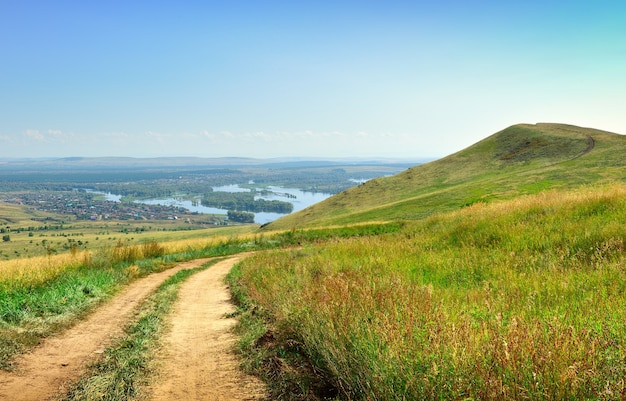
(521, 159)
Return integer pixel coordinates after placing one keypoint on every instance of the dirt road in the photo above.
(197, 361)
(59, 361)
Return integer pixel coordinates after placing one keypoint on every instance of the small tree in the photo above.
(6, 238)
(240, 217)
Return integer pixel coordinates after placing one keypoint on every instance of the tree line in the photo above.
(244, 201)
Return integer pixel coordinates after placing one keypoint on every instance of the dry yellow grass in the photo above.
(548, 200)
(195, 244)
(37, 270)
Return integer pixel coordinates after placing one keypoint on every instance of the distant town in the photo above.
(86, 206)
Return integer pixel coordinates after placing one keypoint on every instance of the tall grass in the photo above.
(516, 300)
(35, 271)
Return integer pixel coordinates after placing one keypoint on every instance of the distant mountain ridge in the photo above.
(120, 163)
(521, 159)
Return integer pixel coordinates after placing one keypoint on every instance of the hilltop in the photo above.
(521, 159)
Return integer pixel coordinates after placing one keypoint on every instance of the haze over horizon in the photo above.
(394, 79)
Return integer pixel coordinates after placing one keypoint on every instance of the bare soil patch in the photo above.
(50, 367)
(197, 362)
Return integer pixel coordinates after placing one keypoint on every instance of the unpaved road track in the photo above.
(59, 361)
(198, 362)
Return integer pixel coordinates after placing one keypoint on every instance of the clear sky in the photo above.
(403, 79)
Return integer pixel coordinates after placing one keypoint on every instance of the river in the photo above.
(298, 198)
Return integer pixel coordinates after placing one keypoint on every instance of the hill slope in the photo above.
(521, 159)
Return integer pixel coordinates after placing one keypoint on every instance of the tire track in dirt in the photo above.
(197, 360)
(49, 368)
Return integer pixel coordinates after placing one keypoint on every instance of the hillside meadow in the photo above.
(519, 299)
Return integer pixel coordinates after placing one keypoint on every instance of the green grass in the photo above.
(29, 314)
(522, 299)
(127, 366)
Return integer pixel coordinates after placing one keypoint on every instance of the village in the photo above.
(86, 206)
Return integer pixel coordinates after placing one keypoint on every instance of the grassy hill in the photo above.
(521, 159)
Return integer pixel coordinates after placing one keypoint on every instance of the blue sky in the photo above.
(391, 78)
